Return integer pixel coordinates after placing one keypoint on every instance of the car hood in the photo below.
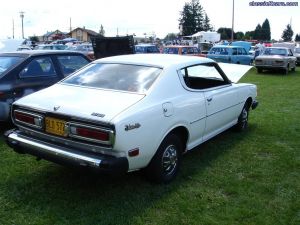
(270, 57)
(234, 72)
(88, 103)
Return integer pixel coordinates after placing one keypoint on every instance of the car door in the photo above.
(221, 99)
(37, 73)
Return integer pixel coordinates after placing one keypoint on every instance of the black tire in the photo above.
(165, 164)
(259, 70)
(242, 123)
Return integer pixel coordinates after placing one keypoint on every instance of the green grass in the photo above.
(236, 178)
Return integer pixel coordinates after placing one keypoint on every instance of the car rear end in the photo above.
(65, 139)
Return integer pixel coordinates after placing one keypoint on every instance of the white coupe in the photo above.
(125, 113)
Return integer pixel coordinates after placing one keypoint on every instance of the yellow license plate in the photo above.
(55, 126)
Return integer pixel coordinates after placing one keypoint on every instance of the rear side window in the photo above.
(39, 67)
(6, 62)
(71, 63)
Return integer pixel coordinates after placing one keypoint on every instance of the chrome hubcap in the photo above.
(169, 160)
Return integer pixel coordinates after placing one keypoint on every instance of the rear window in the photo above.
(275, 51)
(6, 62)
(121, 77)
(71, 63)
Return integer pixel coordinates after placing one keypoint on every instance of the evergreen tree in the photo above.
(266, 31)
(191, 18)
(258, 32)
(206, 23)
(101, 31)
(249, 35)
(186, 20)
(297, 38)
(288, 33)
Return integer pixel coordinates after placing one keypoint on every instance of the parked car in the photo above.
(146, 48)
(86, 49)
(24, 72)
(297, 54)
(131, 112)
(230, 54)
(182, 50)
(51, 47)
(276, 58)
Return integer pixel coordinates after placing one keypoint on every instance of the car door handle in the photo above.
(209, 99)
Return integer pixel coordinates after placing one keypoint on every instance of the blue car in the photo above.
(146, 48)
(230, 54)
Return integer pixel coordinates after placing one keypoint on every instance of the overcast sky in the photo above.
(137, 16)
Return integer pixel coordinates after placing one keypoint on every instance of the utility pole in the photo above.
(13, 28)
(232, 27)
(22, 18)
(70, 24)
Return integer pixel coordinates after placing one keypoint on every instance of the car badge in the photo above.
(132, 126)
(55, 108)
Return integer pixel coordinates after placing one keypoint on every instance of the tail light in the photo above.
(29, 119)
(90, 133)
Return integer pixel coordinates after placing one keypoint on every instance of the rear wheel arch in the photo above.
(182, 133)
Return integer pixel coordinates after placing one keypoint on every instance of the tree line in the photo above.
(193, 19)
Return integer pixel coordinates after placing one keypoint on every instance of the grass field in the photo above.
(236, 178)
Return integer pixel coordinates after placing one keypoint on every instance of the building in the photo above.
(82, 34)
(53, 35)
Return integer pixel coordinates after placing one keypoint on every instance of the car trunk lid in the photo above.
(87, 103)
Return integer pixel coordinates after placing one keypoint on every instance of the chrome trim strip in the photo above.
(198, 120)
(53, 150)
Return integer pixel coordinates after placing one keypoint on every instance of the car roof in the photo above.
(179, 46)
(227, 46)
(157, 60)
(40, 52)
(279, 48)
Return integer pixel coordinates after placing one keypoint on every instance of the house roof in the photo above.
(90, 32)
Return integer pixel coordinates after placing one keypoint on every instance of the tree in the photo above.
(34, 39)
(266, 31)
(206, 23)
(170, 37)
(297, 38)
(191, 18)
(249, 35)
(102, 31)
(225, 33)
(288, 33)
(239, 35)
(258, 32)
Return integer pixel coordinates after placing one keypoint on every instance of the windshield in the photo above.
(7, 62)
(133, 78)
(275, 51)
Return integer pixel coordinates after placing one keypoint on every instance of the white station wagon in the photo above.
(125, 113)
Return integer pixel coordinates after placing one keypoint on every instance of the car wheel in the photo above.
(242, 123)
(259, 70)
(164, 166)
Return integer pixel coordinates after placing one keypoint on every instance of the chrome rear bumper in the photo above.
(64, 155)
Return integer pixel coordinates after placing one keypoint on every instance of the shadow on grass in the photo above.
(79, 197)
